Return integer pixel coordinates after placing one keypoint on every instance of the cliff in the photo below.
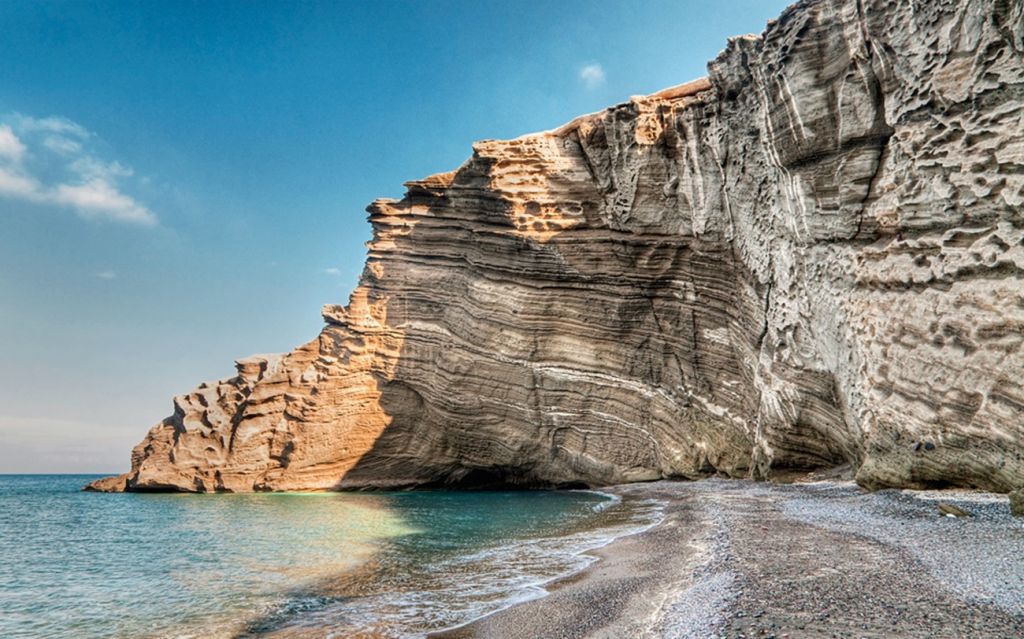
(813, 257)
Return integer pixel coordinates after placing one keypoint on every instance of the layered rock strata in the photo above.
(814, 257)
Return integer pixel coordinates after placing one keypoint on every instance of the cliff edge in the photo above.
(813, 257)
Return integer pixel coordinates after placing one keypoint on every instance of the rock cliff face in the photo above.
(814, 257)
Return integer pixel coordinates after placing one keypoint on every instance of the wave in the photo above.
(449, 592)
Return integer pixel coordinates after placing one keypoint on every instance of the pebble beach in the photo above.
(739, 559)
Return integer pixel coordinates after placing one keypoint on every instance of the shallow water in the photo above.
(284, 564)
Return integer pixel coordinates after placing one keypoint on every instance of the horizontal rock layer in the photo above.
(813, 257)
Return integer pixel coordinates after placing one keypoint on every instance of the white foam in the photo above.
(475, 585)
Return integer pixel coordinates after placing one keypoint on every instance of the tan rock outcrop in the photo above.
(813, 257)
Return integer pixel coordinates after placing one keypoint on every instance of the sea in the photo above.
(383, 564)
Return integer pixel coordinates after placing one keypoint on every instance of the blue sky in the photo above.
(183, 184)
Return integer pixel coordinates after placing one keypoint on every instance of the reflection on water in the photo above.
(282, 565)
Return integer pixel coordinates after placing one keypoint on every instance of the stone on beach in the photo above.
(952, 511)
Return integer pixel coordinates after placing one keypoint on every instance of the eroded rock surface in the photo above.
(813, 257)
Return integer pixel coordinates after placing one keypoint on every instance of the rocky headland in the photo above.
(812, 258)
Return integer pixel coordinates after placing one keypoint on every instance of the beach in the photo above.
(816, 559)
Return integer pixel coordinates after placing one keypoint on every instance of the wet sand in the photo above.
(820, 560)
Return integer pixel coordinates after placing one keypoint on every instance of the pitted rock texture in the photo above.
(813, 257)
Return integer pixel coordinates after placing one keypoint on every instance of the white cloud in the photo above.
(62, 145)
(13, 184)
(91, 168)
(58, 125)
(332, 271)
(592, 76)
(10, 146)
(97, 198)
(48, 161)
(107, 275)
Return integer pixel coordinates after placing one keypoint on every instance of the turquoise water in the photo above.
(87, 565)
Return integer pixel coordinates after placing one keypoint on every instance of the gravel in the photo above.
(978, 558)
(739, 559)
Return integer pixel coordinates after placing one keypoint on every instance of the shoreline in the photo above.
(734, 558)
(604, 559)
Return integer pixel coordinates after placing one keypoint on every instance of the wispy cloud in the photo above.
(592, 76)
(332, 271)
(60, 126)
(12, 184)
(107, 275)
(10, 146)
(51, 162)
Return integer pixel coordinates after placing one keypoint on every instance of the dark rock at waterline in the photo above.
(1017, 502)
